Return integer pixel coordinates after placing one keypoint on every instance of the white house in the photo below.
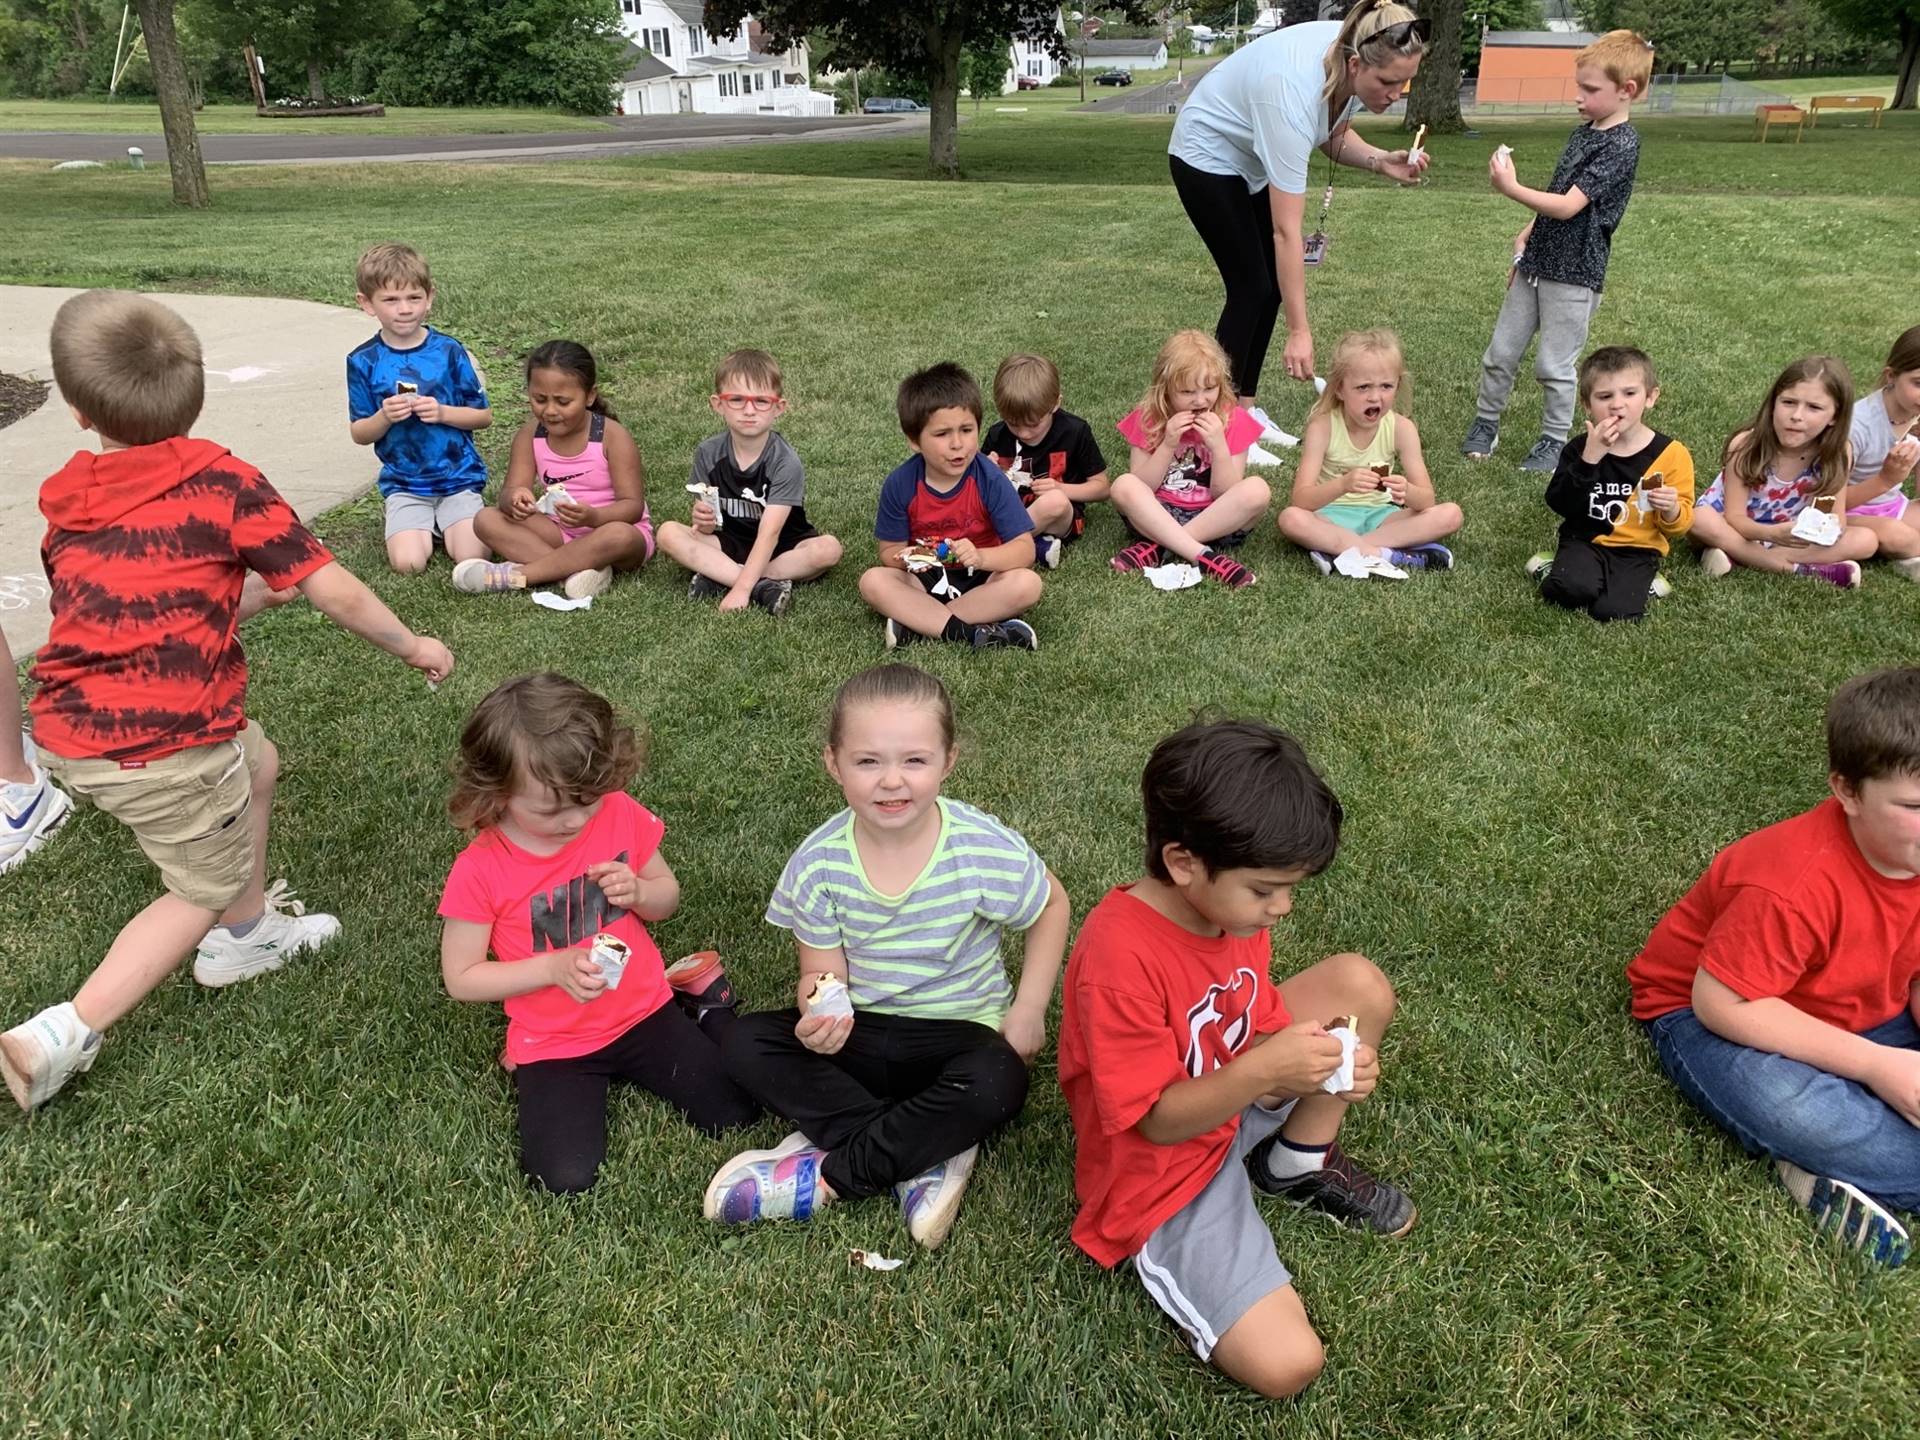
(1124, 54)
(1032, 60)
(676, 68)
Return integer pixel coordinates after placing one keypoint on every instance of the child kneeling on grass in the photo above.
(956, 545)
(590, 476)
(141, 705)
(1622, 490)
(1363, 483)
(563, 854)
(1186, 490)
(750, 542)
(1782, 993)
(918, 1048)
(1194, 1080)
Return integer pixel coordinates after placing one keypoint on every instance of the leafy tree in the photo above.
(312, 34)
(1898, 19)
(57, 47)
(188, 170)
(1435, 99)
(983, 68)
(926, 39)
(1482, 15)
(567, 54)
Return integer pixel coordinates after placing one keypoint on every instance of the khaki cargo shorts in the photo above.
(189, 811)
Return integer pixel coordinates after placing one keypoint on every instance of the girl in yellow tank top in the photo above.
(1362, 483)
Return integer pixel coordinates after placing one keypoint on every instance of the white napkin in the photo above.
(1817, 527)
(1172, 577)
(1356, 565)
(553, 601)
(1341, 1080)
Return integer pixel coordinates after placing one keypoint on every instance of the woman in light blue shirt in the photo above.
(1239, 156)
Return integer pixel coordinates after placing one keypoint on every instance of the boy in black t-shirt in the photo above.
(1560, 258)
(750, 540)
(1051, 456)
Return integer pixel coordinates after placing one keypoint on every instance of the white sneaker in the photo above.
(1715, 562)
(1271, 431)
(929, 1201)
(1260, 455)
(1538, 561)
(583, 583)
(29, 813)
(281, 934)
(1660, 588)
(1858, 1220)
(1909, 568)
(45, 1053)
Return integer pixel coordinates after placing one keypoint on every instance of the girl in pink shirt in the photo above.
(590, 518)
(1186, 490)
(561, 855)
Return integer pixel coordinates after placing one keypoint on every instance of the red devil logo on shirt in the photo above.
(1218, 1026)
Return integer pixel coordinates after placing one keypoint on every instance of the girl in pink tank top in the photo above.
(573, 507)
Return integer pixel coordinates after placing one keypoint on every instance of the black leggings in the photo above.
(1609, 582)
(899, 1097)
(1238, 230)
(563, 1103)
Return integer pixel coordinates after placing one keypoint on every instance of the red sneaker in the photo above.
(1140, 555)
(1227, 570)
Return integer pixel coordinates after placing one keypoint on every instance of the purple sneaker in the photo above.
(1844, 573)
(779, 1184)
(1422, 557)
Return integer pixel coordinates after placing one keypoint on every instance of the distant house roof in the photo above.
(727, 62)
(1542, 39)
(1101, 49)
(691, 11)
(643, 66)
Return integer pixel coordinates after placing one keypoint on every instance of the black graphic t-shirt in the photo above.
(1575, 252)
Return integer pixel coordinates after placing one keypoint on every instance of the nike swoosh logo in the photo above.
(32, 809)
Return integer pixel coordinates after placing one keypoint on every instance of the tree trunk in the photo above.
(176, 104)
(1905, 88)
(1435, 100)
(316, 79)
(943, 117)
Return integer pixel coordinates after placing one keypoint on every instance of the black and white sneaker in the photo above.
(1483, 438)
(701, 588)
(1340, 1190)
(1046, 551)
(1013, 634)
(1544, 457)
(773, 596)
(898, 634)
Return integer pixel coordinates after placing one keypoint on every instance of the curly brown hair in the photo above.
(545, 728)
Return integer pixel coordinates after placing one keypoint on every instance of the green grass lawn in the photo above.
(143, 116)
(293, 1207)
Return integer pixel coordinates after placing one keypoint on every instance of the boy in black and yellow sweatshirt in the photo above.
(1622, 490)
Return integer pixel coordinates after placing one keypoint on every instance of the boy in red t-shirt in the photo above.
(1781, 993)
(1189, 1080)
(142, 683)
(956, 544)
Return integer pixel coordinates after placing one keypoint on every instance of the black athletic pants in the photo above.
(1609, 582)
(902, 1095)
(1238, 230)
(563, 1103)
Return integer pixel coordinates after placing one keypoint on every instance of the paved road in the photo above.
(1148, 99)
(630, 135)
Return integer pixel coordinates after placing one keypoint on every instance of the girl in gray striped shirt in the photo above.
(901, 898)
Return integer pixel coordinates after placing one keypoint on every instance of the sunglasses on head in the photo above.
(1403, 36)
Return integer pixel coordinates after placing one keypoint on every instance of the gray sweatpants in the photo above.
(1561, 313)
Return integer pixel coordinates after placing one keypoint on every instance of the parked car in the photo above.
(889, 105)
(1026, 82)
(1114, 77)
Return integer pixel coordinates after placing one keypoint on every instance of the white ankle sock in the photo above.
(1287, 1160)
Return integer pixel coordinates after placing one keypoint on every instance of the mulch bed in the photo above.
(19, 397)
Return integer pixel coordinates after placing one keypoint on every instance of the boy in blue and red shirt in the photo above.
(956, 545)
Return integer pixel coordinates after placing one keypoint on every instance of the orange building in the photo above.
(1529, 67)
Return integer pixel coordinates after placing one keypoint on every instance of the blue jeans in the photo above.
(1782, 1108)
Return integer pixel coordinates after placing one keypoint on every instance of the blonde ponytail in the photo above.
(1364, 21)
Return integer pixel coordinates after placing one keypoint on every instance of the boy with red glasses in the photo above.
(750, 540)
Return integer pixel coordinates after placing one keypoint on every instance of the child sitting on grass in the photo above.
(1622, 490)
(1194, 1080)
(1781, 993)
(758, 544)
(589, 470)
(1049, 454)
(1186, 489)
(414, 394)
(1885, 450)
(956, 546)
(1793, 455)
(141, 705)
(1363, 483)
(562, 854)
(894, 1074)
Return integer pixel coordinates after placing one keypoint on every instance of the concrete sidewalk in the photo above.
(276, 397)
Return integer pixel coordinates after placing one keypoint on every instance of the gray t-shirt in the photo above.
(776, 478)
(1872, 436)
(1258, 113)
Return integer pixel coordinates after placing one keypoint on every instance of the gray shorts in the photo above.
(1214, 1260)
(436, 514)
